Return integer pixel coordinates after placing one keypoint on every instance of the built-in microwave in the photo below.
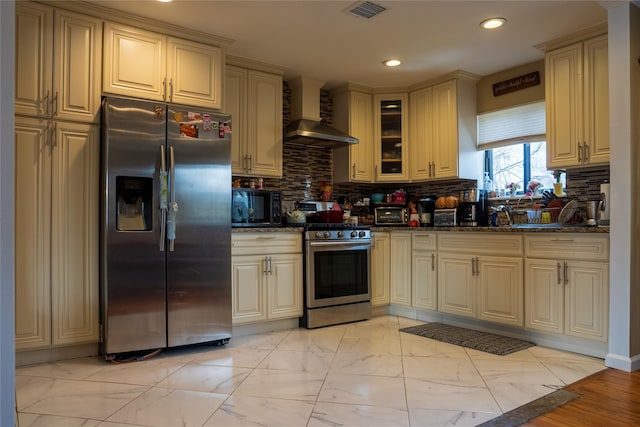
(255, 208)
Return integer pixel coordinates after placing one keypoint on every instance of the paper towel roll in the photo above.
(604, 196)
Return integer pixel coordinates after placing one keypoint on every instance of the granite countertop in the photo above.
(522, 228)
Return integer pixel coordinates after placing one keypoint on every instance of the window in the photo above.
(520, 164)
(515, 144)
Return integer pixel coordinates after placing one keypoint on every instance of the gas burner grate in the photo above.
(334, 226)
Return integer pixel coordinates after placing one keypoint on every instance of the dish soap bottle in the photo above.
(487, 183)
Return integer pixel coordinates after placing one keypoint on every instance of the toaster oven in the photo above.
(390, 215)
(445, 217)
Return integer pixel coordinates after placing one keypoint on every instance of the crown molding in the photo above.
(148, 24)
(255, 65)
(578, 36)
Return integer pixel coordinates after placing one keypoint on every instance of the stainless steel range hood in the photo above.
(305, 127)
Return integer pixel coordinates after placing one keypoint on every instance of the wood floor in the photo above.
(608, 398)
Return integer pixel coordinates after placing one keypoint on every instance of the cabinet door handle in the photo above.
(268, 265)
(566, 274)
(164, 89)
(433, 262)
(353, 171)
(559, 274)
(477, 266)
(54, 105)
(45, 104)
(171, 90)
(579, 153)
(587, 152)
(473, 266)
(562, 240)
(54, 134)
(250, 163)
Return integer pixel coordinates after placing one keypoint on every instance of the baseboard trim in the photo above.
(623, 363)
(32, 357)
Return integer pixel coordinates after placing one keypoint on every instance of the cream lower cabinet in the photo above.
(480, 275)
(266, 276)
(424, 274)
(567, 285)
(380, 266)
(400, 269)
(56, 235)
(254, 100)
(144, 64)
(58, 63)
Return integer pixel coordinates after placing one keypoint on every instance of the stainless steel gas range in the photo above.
(337, 283)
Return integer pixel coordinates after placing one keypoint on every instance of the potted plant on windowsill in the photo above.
(512, 188)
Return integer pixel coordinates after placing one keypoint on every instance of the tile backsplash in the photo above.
(305, 169)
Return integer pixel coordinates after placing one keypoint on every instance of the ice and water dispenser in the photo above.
(134, 207)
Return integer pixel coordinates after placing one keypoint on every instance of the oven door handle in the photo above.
(335, 245)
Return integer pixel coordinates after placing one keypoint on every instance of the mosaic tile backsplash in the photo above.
(305, 169)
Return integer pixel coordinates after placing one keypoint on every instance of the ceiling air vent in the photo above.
(366, 9)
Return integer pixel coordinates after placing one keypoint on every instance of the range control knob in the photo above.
(327, 234)
(340, 234)
(362, 234)
(318, 234)
(354, 234)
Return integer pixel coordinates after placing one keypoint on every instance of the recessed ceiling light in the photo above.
(392, 62)
(165, 1)
(493, 23)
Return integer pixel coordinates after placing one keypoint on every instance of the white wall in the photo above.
(7, 347)
(624, 83)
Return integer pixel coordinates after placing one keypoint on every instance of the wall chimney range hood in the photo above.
(305, 127)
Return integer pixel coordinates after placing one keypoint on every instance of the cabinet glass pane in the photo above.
(391, 135)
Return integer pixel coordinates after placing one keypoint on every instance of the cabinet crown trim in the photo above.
(579, 36)
(108, 14)
(237, 61)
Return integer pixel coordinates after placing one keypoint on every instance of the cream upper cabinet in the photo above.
(266, 276)
(380, 264)
(567, 285)
(254, 100)
(481, 275)
(353, 114)
(391, 132)
(144, 64)
(400, 267)
(58, 63)
(442, 132)
(577, 96)
(57, 170)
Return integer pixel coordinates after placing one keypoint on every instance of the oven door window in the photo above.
(340, 277)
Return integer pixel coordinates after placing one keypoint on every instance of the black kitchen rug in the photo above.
(531, 410)
(483, 341)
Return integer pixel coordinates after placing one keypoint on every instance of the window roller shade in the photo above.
(516, 125)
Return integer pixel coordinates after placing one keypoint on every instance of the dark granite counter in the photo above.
(521, 228)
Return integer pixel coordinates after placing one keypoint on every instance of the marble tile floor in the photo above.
(359, 374)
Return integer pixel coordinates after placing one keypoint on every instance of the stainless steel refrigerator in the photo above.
(165, 226)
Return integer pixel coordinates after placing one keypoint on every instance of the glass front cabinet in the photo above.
(391, 130)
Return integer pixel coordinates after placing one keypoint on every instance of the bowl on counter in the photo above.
(377, 197)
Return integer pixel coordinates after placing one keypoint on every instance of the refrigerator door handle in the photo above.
(173, 206)
(163, 198)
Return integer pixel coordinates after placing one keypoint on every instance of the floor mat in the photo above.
(483, 341)
(532, 410)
